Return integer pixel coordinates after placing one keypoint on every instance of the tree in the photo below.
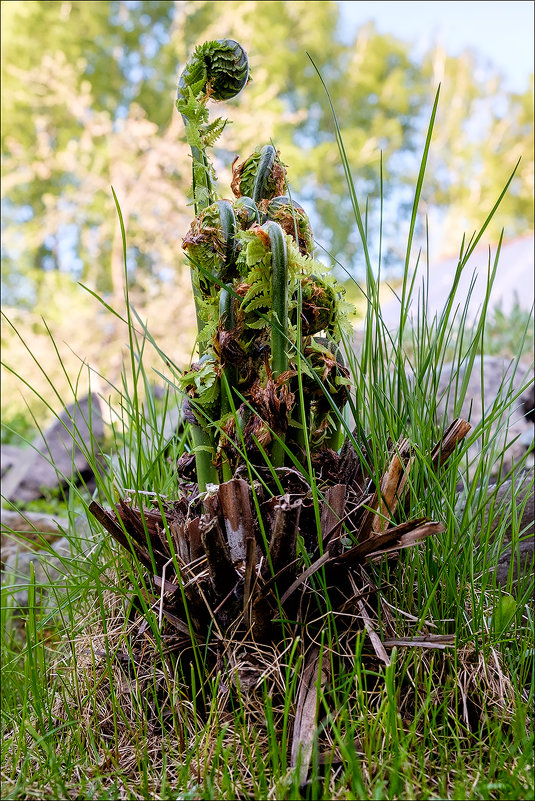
(75, 124)
(92, 106)
(481, 132)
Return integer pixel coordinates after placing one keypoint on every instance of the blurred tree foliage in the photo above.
(88, 103)
(75, 104)
(481, 134)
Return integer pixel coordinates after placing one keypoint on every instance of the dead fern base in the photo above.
(241, 572)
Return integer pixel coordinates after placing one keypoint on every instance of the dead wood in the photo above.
(315, 675)
(332, 514)
(283, 538)
(222, 573)
(179, 536)
(393, 485)
(234, 499)
(393, 539)
(193, 533)
(454, 434)
(375, 640)
(108, 521)
(224, 581)
(439, 641)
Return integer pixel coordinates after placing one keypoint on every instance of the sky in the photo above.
(501, 32)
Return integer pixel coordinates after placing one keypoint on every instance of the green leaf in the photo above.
(503, 614)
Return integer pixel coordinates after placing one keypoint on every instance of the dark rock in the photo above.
(511, 434)
(26, 530)
(10, 455)
(56, 457)
(32, 523)
(522, 552)
(527, 403)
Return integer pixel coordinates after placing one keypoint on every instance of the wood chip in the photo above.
(456, 432)
(332, 514)
(393, 485)
(220, 565)
(108, 521)
(316, 671)
(283, 541)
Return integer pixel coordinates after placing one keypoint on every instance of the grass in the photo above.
(85, 716)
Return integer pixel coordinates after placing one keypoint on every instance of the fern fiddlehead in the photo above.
(218, 71)
(262, 176)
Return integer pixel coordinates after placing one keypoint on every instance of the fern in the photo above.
(256, 285)
(201, 383)
(211, 133)
(263, 301)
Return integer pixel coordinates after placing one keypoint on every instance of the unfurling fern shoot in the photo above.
(256, 285)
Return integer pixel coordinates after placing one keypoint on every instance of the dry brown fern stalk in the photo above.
(251, 557)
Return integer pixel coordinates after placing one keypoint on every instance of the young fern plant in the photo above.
(261, 298)
(240, 564)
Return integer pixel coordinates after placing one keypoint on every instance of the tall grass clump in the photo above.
(264, 629)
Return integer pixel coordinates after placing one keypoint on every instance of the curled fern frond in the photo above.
(318, 306)
(246, 212)
(211, 243)
(293, 220)
(217, 69)
(262, 176)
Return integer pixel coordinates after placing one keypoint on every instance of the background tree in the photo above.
(482, 131)
(91, 105)
(377, 90)
(75, 122)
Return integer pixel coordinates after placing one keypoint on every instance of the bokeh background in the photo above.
(88, 104)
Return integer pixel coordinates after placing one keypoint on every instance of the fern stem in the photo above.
(279, 320)
(204, 454)
(279, 265)
(336, 438)
(226, 316)
(228, 225)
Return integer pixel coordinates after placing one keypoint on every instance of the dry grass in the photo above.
(121, 701)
